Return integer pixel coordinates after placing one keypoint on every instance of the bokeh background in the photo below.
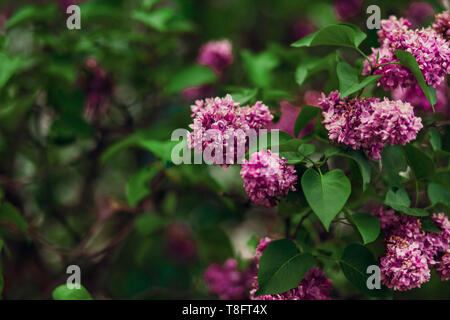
(85, 120)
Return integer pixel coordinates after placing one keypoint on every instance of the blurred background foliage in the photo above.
(85, 123)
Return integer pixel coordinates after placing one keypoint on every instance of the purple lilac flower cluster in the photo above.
(369, 123)
(314, 286)
(430, 49)
(219, 119)
(227, 281)
(403, 267)
(267, 177)
(217, 55)
(411, 252)
(419, 12)
(98, 88)
(442, 24)
(417, 98)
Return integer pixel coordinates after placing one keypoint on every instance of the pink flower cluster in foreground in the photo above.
(411, 252)
(369, 123)
(267, 177)
(430, 49)
(216, 120)
(227, 281)
(314, 286)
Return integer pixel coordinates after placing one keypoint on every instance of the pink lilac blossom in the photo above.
(180, 243)
(433, 247)
(263, 243)
(369, 123)
(419, 101)
(435, 244)
(443, 267)
(302, 28)
(430, 49)
(267, 178)
(217, 55)
(217, 120)
(314, 286)
(387, 217)
(442, 24)
(345, 9)
(227, 281)
(419, 12)
(404, 266)
(98, 88)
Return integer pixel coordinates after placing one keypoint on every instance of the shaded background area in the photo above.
(85, 120)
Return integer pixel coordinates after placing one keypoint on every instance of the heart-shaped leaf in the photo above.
(341, 35)
(367, 225)
(282, 267)
(354, 263)
(326, 193)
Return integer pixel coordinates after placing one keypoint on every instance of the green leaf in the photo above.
(417, 212)
(259, 67)
(438, 194)
(244, 95)
(214, 245)
(409, 61)
(421, 164)
(428, 225)
(8, 67)
(282, 267)
(306, 149)
(292, 157)
(31, 13)
(360, 85)
(149, 223)
(161, 149)
(367, 225)
(10, 215)
(64, 293)
(314, 65)
(364, 166)
(354, 262)
(326, 194)
(397, 196)
(347, 76)
(341, 35)
(435, 139)
(394, 161)
(359, 158)
(193, 76)
(252, 242)
(158, 19)
(306, 115)
(138, 186)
